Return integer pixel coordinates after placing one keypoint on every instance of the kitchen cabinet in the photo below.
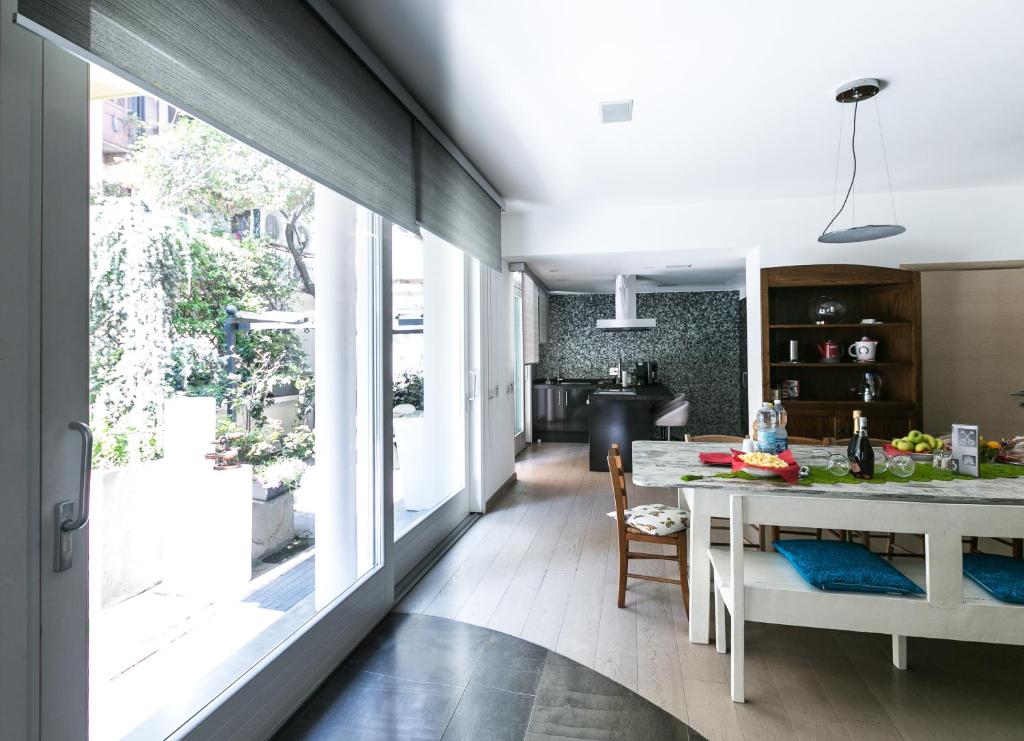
(548, 409)
(560, 411)
(577, 418)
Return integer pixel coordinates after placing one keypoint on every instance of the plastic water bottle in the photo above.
(781, 436)
(767, 428)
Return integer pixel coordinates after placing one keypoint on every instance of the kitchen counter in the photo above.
(617, 417)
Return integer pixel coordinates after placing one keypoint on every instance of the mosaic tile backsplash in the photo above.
(699, 343)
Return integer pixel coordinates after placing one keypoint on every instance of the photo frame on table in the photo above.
(965, 449)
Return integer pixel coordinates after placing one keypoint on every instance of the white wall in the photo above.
(958, 225)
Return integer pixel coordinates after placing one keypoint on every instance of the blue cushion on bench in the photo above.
(834, 565)
(1000, 576)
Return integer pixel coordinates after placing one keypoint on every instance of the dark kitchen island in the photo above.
(621, 417)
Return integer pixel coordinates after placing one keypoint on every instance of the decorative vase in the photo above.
(827, 310)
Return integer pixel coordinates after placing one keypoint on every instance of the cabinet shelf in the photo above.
(858, 325)
(878, 364)
(846, 404)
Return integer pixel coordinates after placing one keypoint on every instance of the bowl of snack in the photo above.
(762, 465)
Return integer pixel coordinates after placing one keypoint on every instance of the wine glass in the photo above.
(902, 465)
(838, 464)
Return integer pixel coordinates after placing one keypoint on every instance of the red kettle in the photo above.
(830, 351)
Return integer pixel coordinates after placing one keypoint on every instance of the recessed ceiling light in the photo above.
(677, 267)
(616, 111)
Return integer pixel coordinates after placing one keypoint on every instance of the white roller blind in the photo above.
(531, 336)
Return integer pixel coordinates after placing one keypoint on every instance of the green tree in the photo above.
(196, 168)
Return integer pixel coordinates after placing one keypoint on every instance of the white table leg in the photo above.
(899, 651)
(700, 566)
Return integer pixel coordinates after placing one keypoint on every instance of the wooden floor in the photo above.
(542, 566)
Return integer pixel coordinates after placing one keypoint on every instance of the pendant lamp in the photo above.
(856, 92)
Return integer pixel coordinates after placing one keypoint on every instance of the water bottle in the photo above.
(767, 428)
(781, 436)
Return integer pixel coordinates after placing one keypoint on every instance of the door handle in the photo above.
(65, 520)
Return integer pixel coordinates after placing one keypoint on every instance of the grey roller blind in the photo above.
(450, 204)
(531, 335)
(270, 73)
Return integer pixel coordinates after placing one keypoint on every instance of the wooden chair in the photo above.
(713, 439)
(627, 534)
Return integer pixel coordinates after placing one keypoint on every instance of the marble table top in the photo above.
(661, 463)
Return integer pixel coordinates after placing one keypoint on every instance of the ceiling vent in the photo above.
(617, 111)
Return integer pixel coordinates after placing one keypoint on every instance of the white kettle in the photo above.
(863, 350)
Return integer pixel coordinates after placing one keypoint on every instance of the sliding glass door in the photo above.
(429, 362)
(211, 374)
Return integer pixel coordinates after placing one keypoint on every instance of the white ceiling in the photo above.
(720, 269)
(732, 100)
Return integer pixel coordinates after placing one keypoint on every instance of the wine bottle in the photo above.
(855, 435)
(862, 463)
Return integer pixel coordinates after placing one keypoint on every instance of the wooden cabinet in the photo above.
(829, 392)
(834, 420)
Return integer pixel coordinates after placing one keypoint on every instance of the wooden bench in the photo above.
(954, 607)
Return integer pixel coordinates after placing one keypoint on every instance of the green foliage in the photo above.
(408, 389)
(193, 166)
(299, 443)
(163, 269)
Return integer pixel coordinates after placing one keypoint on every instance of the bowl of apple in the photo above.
(918, 445)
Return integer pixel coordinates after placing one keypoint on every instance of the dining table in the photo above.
(677, 465)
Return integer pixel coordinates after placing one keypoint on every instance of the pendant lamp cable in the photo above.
(885, 160)
(853, 176)
(839, 149)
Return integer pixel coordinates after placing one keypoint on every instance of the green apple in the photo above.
(914, 436)
(896, 442)
(922, 448)
(930, 440)
(905, 445)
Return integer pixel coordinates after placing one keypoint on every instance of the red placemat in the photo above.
(715, 459)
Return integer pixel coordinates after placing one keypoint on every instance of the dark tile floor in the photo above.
(422, 677)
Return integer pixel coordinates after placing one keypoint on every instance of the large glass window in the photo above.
(429, 365)
(235, 400)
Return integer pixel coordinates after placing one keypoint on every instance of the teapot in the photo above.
(830, 351)
(863, 350)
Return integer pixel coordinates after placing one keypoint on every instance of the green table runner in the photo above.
(923, 472)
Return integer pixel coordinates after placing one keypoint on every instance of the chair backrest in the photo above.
(618, 477)
(875, 442)
(808, 440)
(713, 439)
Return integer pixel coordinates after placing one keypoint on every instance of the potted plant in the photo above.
(277, 478)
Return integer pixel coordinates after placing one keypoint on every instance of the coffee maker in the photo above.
(646, 372)
(870, 387)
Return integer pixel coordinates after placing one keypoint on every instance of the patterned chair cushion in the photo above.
(1000, 576)
(655, 519)
(834, 565)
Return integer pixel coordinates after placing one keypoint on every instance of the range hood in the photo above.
(625, 309)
